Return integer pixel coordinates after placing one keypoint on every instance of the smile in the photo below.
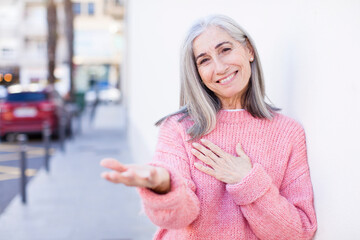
(227, 79)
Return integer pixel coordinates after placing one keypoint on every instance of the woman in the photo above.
(227, 165)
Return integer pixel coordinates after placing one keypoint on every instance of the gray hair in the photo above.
(199, 102)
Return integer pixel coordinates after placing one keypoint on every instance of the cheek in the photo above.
(205, 75)
(245, 67)
(248, 71)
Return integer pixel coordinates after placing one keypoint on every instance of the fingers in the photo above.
(130, 175)
(128, 178)
(113, 164)
(213, 147)
(202, 157)
(213, 151)
(205, 169)
(113, 177)
(240, 150)
(205, 151)
(225, 167)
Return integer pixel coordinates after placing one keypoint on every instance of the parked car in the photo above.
(26, 110)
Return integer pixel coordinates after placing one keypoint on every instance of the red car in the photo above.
(26, 112)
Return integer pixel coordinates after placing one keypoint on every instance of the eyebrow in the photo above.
(216, 47)
(222, 43)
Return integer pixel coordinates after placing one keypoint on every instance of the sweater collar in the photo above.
(233, 116)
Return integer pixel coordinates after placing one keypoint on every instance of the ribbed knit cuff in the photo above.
(252, 187)
(164, 201)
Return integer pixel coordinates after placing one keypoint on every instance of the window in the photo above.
(77, 8)
(7, 53)
(26, 97)
(91, 8)
(119, 2)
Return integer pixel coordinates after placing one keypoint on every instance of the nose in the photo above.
(220, 66)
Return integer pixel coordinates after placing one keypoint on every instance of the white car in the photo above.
(106, 95)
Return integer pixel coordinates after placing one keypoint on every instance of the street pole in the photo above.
(22, 139)
(46, 140)
(0, 123)
(62, 123)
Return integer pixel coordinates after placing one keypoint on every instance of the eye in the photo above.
(202, 61)
(226, 50)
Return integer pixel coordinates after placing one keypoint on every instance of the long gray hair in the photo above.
(199, 102)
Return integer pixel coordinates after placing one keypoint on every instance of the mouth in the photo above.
(227, 79)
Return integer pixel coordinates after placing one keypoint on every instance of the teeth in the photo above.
(227, 79)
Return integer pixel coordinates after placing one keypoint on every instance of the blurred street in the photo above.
(59, 58)
(72, 201)
(10, 166)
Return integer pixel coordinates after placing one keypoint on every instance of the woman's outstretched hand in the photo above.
(220, 164)
(136, 175)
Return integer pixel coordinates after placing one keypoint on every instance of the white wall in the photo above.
(310, 53)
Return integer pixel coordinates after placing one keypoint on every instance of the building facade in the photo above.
(98, 43)
(23, 44)
(10, 43)
(98, 39)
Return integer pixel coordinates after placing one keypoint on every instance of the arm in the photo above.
(285, 213)
(180, 206)
(137, 175)
(165, 185)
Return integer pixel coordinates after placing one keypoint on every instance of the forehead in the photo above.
(208, 39)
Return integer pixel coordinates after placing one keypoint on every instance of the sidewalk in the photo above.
(73, 201)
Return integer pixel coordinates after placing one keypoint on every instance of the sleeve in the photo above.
(285, 213)
(179, 207)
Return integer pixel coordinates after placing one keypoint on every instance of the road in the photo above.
(10, 166)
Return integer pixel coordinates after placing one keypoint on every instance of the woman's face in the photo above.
(223, 64)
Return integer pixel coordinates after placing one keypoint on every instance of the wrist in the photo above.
(163, 181)
(241, 175)
(245, 172)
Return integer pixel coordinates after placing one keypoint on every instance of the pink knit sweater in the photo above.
(274, 201)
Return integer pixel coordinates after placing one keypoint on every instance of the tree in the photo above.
(52, 39)
(69, 31)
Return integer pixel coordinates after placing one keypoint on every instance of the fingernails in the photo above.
(196, 144)
(126, 174)
(112, 175)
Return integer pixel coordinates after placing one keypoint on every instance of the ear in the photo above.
(250, 48)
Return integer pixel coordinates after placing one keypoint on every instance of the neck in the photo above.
(233, 103)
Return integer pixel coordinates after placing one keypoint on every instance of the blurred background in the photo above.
(127, 52)
(74, 45)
